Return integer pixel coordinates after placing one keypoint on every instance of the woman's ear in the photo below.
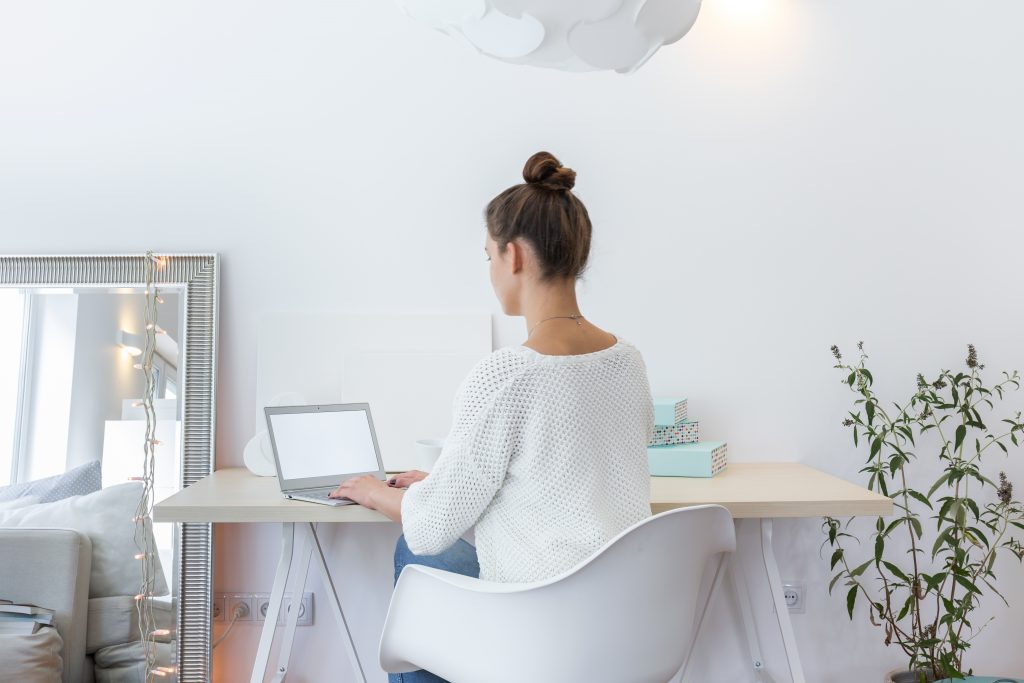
(516, 255)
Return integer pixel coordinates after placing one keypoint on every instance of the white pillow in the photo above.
(16, 503)
(106, 517)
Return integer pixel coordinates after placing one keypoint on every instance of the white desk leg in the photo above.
(325, 575)
(296, 584)
(738, 583)
(295, 587)
(796, 669)
(259, 667)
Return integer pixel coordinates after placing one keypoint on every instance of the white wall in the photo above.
(104, 374)
(793, 174)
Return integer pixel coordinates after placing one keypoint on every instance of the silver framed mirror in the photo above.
(187, 376)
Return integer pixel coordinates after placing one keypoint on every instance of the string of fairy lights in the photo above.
(144, 540)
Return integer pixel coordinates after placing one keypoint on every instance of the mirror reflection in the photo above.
(71, 417)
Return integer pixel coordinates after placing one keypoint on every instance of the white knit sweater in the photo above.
(546, 456)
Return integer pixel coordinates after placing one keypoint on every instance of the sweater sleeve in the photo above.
(438, 510)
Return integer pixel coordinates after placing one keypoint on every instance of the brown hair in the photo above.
(545, 212)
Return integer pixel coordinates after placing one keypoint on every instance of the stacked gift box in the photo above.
(675, 449)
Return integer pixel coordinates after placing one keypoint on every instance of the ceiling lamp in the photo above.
(572, 35)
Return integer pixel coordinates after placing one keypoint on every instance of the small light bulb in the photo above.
(155, 442)
(138, 404)
(161, 632)
(157, 672)
(149, 326)
(159, 299)
(139, 556)
(140, 596)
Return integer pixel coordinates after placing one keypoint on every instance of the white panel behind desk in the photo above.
(410, 397)
(406, 365)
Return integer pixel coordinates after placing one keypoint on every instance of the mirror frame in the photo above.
(197, 275)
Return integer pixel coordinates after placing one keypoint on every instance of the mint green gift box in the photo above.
(669, 411)
(700, 459)
(668, 435)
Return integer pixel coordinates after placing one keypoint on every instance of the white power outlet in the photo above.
(256, 606)
(305, 608)
(242, 603)
(793, 596)
(219, 607)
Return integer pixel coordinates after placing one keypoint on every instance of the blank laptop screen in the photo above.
(323, 444)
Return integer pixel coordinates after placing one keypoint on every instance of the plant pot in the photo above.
(904, 676)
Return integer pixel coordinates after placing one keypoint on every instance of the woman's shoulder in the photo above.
(494, 371)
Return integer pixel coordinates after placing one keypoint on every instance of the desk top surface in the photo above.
(779, 489)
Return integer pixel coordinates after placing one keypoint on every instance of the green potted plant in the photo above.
(926, 569)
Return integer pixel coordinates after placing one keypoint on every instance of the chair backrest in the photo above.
(626, 615)
(634, 603)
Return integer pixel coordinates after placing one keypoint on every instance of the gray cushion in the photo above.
(124, 663)
(112, 621)
(34, 658)
(77, 481)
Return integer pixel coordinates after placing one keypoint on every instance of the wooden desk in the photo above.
(770, 489)
(758, 490)
(755, 493)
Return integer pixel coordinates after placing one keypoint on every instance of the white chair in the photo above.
(628, 614)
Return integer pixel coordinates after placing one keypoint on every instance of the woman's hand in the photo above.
(401, 481)
(360, 489)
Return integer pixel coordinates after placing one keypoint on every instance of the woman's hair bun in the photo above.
(545, 170)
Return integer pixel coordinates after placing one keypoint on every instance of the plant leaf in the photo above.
(836, 556)
(896, 571)
(939, 482)
(920, 497)
(961, 432)
(916, 523)
(859, 569)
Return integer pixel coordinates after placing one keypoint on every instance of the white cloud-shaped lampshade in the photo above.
(573, 35)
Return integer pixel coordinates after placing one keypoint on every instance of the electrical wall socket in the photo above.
(793, 596)
(234, 600)
(305, 608)
(259, 604)
(219, 607)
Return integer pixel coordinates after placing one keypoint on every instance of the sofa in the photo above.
(51, 568)
(68, 545)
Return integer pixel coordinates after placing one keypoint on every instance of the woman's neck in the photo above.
(549, 301)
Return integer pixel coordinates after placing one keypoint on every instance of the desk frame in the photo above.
(290, 579)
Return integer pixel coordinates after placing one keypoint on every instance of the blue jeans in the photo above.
(459, 559)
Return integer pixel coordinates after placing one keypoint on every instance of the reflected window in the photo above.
(170, 388)
(12, 345)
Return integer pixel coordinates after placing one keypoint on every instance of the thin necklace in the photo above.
(576, 317)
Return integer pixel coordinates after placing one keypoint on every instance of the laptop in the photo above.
(318, 447)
